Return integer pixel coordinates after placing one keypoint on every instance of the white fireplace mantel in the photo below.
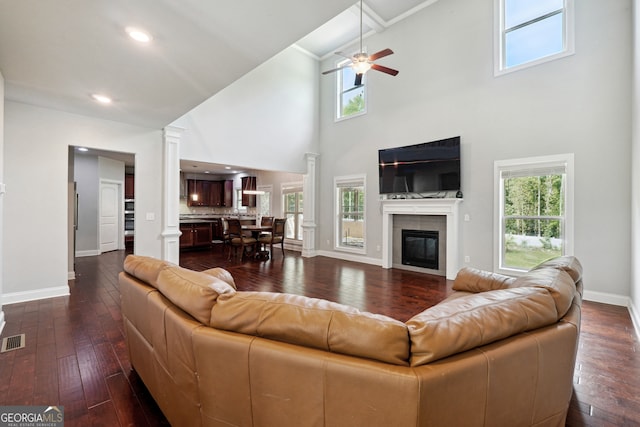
(446, 207)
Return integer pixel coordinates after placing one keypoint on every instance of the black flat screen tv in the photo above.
(430, 167)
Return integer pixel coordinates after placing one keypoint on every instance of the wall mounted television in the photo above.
(421, 169)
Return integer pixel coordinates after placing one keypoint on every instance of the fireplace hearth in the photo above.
(420, 248)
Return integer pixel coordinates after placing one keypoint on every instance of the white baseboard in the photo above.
(350, 257)
(71, 275)
(93, 252)
(16, 297)
(635, 318)
(607, 298)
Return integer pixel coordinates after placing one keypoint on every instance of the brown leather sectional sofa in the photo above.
(498, 352)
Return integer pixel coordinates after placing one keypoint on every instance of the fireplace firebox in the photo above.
(420, 248)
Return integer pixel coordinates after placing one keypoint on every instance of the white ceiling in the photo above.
(55, 54)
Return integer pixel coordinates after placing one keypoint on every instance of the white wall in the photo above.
(579, 104)
(87, 187)
(36, 210)
(2, 244)
(266, 120)
(635, 173)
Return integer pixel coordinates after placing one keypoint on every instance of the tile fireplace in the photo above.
(449, 208)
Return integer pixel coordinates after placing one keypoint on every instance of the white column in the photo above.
(171, 195)
(309, 227)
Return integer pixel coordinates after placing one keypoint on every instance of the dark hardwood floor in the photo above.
(75, 354)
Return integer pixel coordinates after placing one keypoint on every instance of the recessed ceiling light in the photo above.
(103, 99)
(138, 35)
(227, 167)
(83, 149)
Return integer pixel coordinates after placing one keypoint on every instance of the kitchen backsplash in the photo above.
(204, 210)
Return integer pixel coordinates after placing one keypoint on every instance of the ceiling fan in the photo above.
(361, 62)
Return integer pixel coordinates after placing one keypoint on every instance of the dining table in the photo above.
(255, 230)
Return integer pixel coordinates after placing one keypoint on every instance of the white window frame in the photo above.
(347, 181)
(267, 194)
(499, 59)
(292, 187)
(238, 201)
(338, 114)
(514, 165)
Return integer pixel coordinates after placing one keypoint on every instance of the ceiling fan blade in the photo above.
(381, 54)
(343, 55)
(336, 69)
(384, 69)
(358, 81)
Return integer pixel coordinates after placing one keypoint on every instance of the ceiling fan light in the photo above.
(361, 67)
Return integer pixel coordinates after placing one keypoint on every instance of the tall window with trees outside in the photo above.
(351, 98)
(533, 31)
(293, 207)
(350, 210)
(535, 208)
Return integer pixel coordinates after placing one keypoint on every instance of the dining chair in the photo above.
(277, 235)
(226, 240)
(266, 221)
(237, 239)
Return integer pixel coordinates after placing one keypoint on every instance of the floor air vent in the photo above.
(12, 343)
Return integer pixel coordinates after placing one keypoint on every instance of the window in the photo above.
(535, 211)
(238, 201)
(350, 207)
(532, 31)
(292, 199)
(265, 200)
(351, 98)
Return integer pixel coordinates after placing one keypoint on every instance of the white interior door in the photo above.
(109, 213)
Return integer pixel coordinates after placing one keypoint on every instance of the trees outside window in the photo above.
(292, 198)
(350, 213)
(535, 211)
(351, 98)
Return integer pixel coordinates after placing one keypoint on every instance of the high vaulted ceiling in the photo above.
(55, 54)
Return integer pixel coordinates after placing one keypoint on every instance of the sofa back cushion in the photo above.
(313, 323)
(145, 268)
(566, 263)
(557, 281)
(473, 280)
(477, 319)
(192, 291)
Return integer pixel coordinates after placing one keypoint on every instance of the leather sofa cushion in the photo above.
(222, 274)
(192, 291)
(473, 280)
(313, 323)
(477, 319)
(557, 281)
(567, 263)
(145, 268)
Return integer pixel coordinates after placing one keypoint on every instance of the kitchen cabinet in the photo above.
(198, 193)
(248, 183)
(216, 193)
(195, 235)
(209, 193)
(129, 187)
(228, 193)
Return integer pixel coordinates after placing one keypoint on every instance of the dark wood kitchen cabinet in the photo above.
(228, 193)
(216, 193)
(195, 235)
(209, 193)
(248, 183)
(129, 187)
(198, 193)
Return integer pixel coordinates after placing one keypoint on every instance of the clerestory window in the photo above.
(529, 32)
(351, 98)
